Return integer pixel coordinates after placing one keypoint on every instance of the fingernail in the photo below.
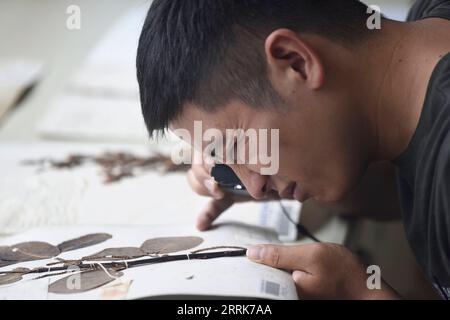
(210, 185)
(202, 225)
(210, 161)
(255, 253)
(204, 220)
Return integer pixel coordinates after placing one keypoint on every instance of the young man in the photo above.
(350, 102)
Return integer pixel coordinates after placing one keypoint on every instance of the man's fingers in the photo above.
(196, 184)
(203, 160)
(285, 257)
(214, 189)
(209, 164)
(204, 185)
(212, 212)
(305, 284)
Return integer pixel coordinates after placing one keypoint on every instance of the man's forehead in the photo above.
(222, 118)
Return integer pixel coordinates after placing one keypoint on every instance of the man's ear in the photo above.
(289, 55)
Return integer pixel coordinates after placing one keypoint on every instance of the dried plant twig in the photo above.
(121, 265)
(115, 166)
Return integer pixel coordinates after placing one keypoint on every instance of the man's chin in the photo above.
(329, 198)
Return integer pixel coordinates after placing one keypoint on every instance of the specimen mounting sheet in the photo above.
(221, 277)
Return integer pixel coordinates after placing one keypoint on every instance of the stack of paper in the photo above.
(101, 100)
(16, 76)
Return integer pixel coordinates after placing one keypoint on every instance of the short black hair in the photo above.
(209, 52)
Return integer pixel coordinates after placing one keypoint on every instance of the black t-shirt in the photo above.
(424, 168)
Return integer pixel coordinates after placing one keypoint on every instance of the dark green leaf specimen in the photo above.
(117, 254)
(88, 280)
(84, 241)
(170, 244)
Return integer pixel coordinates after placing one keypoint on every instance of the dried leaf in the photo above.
(118, 253)
(88, 280)
(37, 250)
(115, 166)
(84, 241)
(22, 270)
(28, 251)
(170, 244)
(6, 263)
(10, 278)
(6, 254)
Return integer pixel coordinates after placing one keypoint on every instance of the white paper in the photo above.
(89, 118)
(222, 277)
(101, 100)
(110, 69)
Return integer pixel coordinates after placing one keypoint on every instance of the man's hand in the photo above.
(200, 180)
(321, 271)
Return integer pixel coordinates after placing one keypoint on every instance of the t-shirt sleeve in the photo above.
(429, 8)
(442, 187)
(441, 217)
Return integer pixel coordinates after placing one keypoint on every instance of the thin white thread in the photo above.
(104, 269)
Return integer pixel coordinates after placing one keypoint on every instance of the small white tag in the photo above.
(272, 216)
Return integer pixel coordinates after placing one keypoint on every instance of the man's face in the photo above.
(317, 144)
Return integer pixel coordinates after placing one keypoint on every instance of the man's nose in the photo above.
(254, 182)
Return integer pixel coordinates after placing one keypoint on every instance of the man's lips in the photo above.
(293, 191)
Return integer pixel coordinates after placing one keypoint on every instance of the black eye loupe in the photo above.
(228, 180)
